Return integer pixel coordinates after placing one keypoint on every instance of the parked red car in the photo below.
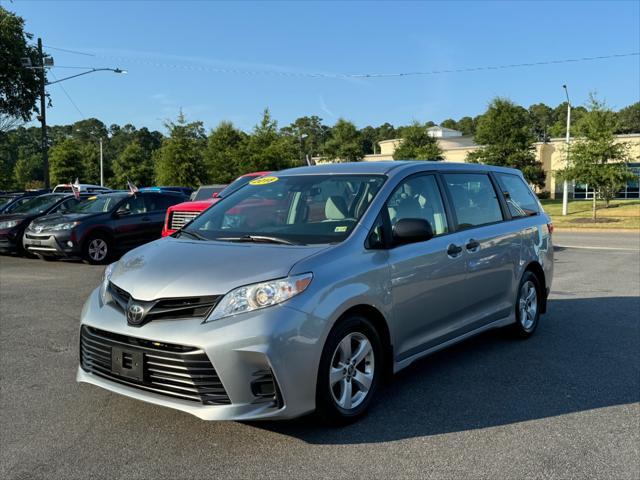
(182, 213)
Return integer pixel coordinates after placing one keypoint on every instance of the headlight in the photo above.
(56, 227)
(260, 295)
(106, 277)
(9, 224)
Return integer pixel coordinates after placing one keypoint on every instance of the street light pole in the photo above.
(101, 169)
(565, 185)
(43, 117)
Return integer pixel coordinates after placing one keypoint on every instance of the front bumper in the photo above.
(8, 242)
(50, 244)
(278, 339)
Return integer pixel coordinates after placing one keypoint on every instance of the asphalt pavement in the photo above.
(564, 404)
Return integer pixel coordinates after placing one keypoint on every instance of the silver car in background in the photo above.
(303, 289)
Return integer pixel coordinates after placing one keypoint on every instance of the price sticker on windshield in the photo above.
(263, 180)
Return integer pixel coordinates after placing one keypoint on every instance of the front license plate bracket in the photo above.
(127, 363)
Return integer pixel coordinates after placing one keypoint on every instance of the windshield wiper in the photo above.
(195, 235)
(258, 239)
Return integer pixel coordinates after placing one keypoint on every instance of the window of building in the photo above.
(474, 199)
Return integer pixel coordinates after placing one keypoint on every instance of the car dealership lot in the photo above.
(563, 404)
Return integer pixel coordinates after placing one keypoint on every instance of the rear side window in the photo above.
(474, 199)
(518, 195)
(159, 202)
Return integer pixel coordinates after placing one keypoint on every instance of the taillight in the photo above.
(550, 227)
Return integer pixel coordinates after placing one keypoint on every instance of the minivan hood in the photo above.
(170, 267)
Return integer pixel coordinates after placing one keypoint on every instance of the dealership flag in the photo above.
(132, 187)
(75, 188)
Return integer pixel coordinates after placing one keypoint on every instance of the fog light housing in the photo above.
(69, 243)
(265, 388)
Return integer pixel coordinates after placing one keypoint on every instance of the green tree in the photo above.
(628, 119)
(18, 85)
(345, 143)
(542, 118)
(417, 144)
(133, 164)
(559, 128)
(595, 158)
(505, 133)
(28, 169)
(226, 154)
(467, 125)
(66, 161)
(179, 161)
(310, 132)
(449, 123)
(267, 149)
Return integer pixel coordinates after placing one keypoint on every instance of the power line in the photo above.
(70, 51)
(69, 97)
(200, 67)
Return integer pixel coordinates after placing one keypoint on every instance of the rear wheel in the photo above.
(97, 250)
(350, 370)
(527, 306)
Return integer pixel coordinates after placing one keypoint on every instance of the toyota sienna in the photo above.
(300, 291)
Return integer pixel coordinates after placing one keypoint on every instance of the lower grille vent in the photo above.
(167, 369)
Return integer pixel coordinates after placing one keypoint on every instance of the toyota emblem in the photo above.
(135, 314)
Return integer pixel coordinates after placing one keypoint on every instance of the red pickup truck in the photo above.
(182, 213)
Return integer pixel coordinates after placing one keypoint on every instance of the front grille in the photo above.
(167, 369)
(37, 237)
(179, 219)
(167, 308)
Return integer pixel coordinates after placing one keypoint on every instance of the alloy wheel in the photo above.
(97, 249)
(351, 371)
(528, 304)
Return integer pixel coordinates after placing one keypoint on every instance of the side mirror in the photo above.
(411, 230)
(122, 212)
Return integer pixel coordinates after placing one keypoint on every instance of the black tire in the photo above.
(327, 407)
(527, 320)
(91, 244)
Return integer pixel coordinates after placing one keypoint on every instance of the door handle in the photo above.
(453, 250)
(472, 245)
(146, 219)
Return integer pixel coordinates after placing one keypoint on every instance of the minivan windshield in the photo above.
(300, 209)
(37, 204)
(97, 204)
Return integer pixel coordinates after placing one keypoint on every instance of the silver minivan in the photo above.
(302, 290)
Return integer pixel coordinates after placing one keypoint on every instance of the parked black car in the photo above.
(14, 223)
(101, 227)
(10, 200)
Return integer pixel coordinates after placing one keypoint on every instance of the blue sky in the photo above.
(175, 52)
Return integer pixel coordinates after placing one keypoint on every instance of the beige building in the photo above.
(551, 154)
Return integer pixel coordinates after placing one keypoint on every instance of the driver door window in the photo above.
(135, 205)
(419, 197)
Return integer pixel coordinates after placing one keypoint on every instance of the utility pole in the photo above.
(43, 116)
(101, 169)
(565, 185)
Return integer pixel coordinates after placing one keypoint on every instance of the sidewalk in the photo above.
(629, 241)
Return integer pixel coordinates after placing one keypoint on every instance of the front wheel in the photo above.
(350, 370)
(97, 250)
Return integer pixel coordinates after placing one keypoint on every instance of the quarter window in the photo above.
(474, 199)
(519, 197)
(419, 197)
